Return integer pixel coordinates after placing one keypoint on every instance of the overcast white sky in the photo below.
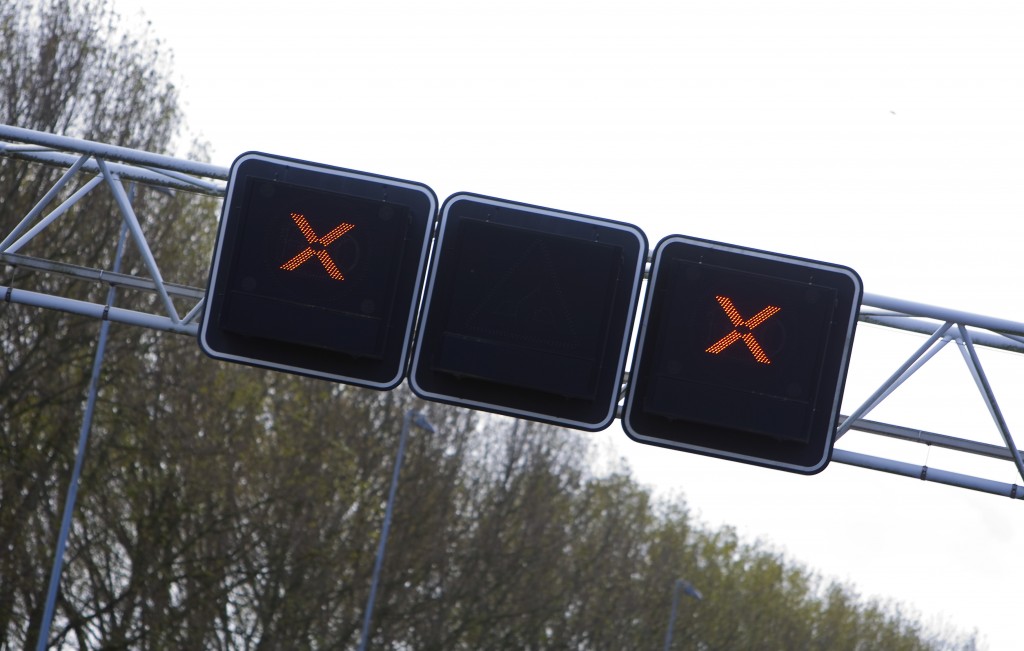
(884, 135)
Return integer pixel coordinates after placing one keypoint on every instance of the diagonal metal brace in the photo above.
(933, 345)
(974, 364)
(132, 221)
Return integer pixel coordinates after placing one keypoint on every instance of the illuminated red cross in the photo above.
(742, 329)
(317, 246)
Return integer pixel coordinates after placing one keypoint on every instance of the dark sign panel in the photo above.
(742, 354)
(318, 270)
(528, 311)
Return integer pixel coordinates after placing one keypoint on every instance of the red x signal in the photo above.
(742, 329)
(317, 246)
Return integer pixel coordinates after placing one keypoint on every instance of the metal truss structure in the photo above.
(96, 167)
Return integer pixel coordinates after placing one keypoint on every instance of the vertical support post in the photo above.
(83, 440)
(422, 423)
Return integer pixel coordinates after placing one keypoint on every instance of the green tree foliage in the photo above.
(227, 508)
(66, 68)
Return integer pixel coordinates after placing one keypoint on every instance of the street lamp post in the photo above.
(418, 419)
(686, 587)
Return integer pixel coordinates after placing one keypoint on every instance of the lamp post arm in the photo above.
(681, 585)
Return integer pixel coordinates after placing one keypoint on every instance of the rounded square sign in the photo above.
(528, 311)
(742, 354)
(317, 270)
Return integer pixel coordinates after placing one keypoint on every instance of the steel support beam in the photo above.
(102, 165)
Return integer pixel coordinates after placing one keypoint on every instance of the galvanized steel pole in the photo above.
(421, 422)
